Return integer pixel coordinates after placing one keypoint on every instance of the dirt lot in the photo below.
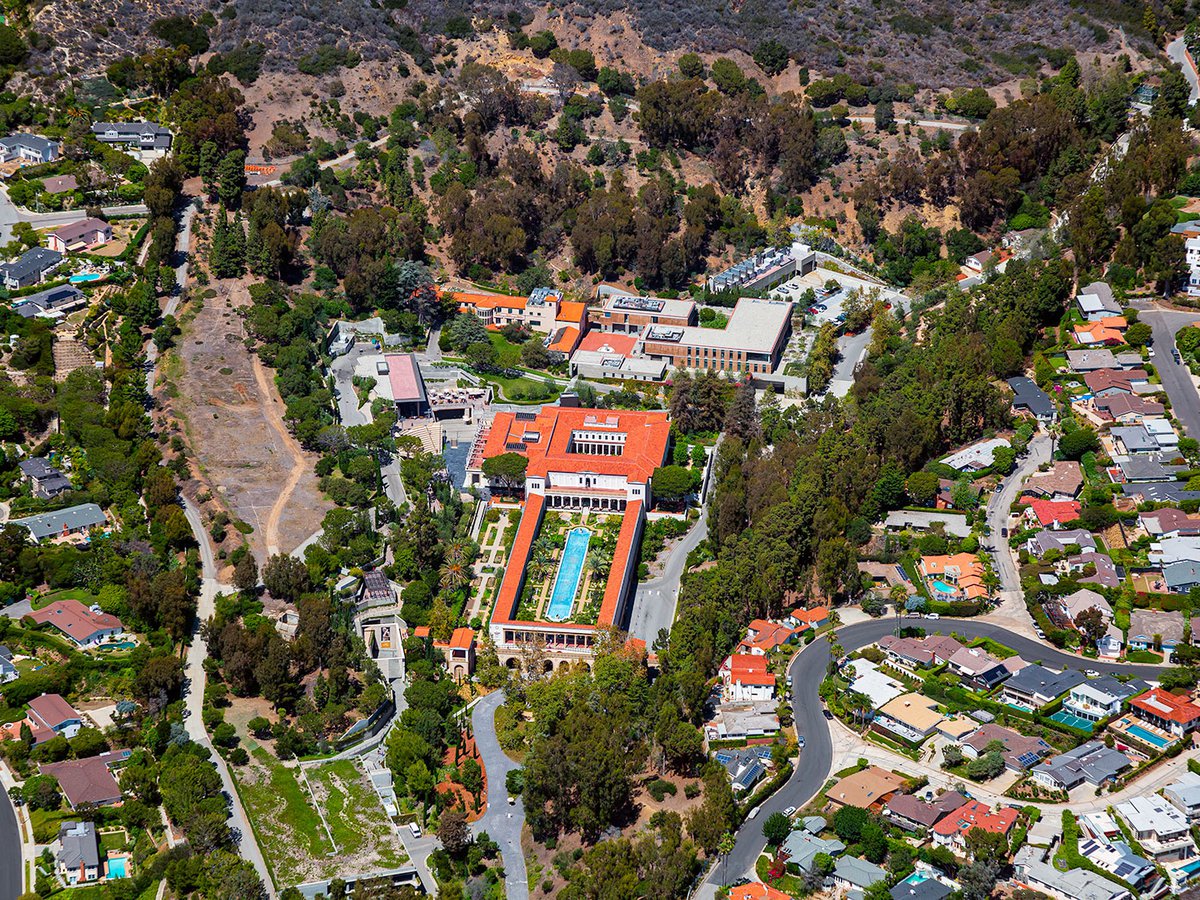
(232, 419)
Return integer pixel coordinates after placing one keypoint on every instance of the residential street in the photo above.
(11, 214)
(11, 878)
(502, 822)
(1179, 55)
(1185, 402)
(816, 760)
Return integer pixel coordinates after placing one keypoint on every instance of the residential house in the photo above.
(743, 721)
(1127, 408)
(53, 712)
(1035, 686)
(1097, 306)
(1052, 513)
(30, 268)
(1160, 490)
(1034, 872)
(1020, 752)
(885, 576)
(1091, 762)
(952, 523)
(1061, 481)
(63, 522)
(1100, 698)
(1118, 858)
(138, 136)
(1154, 467)
(78, 856)
(87, 234)
(1091, 360)
(979, 669)
(854, 874)
(1182, 576)
(1170, 550)
(1169, 522)
(910, 717)
(1031, 399)
(756, 890)
(763, 636)
(1110, 382)
(86, 626)
(869, 789)
(60, 184)
(923, 889)
(919, 653)
(1082, 601)
(977, 262)
(8, 671)
(813, 617)
(1184, 795)
(747, 679)
(45, 481)
(745, 768)
(1108, 331)
(1163, 433)
(30, 149)
(1105, 570)
(872, 683)
(951, 831)
(1111, 644)
(1060, 540)
(802, 846)
(975, 457)
(1131, 439)
(52, 303)
(957, 577)
(1172, 713)
(1161, 829)
(1153, 629)
(912, 813)
(89, 780)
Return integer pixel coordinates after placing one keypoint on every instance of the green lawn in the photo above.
(288, 828)
(45, 824)
(508, 354)
(1143, 656)
(84, 596)
(524, 389)
(355, 814)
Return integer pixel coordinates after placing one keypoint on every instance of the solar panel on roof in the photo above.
(1028, 758)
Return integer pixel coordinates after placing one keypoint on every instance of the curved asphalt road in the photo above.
(816, 760)
(502, 822)
(10, 842)
(1176, 378)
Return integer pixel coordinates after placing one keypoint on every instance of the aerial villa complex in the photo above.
(574, 559)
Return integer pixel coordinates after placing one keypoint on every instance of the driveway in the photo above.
(1177, 51)
(653, 607)
(17, 610)
(502, 822)
(816, 760)
(1185, 402)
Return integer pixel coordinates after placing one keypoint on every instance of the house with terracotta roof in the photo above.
(577, 459)
(756, 890)
(801, 618)
(458, 652)
(1110, 382)
(1108, 331)
(1052, 513)
(544, 311)
(763, 636)
(869, 789)
(1061, 482)
(952, 831)
(1172, 713)
(86, 626)
(746, 679)
(957, 577)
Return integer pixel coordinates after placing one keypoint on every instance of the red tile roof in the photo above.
(609, 342)
(813, 616)
(756, 890)
(974, 814)
(545, 440)
(74, 619)
(510, 587)
(462, 638)
(87, 780)
(488, 301)
(571, 311)
(1051, 511)
(1165, 705)
(621, 559)
(747, 669)
(566, 341)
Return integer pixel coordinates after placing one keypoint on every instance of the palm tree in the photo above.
(454, 574)
(835, 619)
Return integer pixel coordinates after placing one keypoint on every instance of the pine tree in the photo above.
(254, 250)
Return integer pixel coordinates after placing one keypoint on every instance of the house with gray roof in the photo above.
(1105, 573)
(1091, 360)
(52, 303)
(32, 149)
(8, 671)
(1096, 302)
(1028, 397)
(926, 889)
(1148, 467)
(43, 479)
(1161, 490)
(854, 874)
(1034, 872)
(1184, 795)
(1035, 686)
(1099, 698)
(1147, 624)
(912, 812)
(1046, 540)
(133, 135)
(72, 520)
(1091, 762)
(1133, 439)
(30, 268)
(78, 857)
(802, 847)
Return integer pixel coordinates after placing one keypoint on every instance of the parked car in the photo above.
(753, 812)
(790, 811)
(932, 615)
(1092, 673)
(828, 715)
(800, 741)
(415, 829)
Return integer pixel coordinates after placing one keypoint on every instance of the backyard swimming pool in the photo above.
(942, 588)
(1148, 736)
(80, 279)
(570, 570)
(116, 867)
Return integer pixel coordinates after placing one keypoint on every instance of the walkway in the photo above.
(1177, 51)
(490, 565)
(502, 822)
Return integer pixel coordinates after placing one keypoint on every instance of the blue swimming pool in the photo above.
(1148, 736)
(916, 878)
(80, 279)
(116, 867)
(942, 588)
(1191, 868)
(570, 570)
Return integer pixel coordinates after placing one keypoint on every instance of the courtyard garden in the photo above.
(546, 596)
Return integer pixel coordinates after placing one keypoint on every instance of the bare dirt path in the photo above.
(270, 403)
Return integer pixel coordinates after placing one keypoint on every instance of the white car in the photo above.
(790, 811)
(932, 615)
(415, 829)
(1092, 673)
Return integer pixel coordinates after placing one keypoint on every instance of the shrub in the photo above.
(659, 788)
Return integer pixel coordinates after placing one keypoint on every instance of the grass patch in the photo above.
(1143, 656)
(523, 389)
(355, 815)
(83, 595)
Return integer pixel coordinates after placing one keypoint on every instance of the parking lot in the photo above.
(834, 302)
